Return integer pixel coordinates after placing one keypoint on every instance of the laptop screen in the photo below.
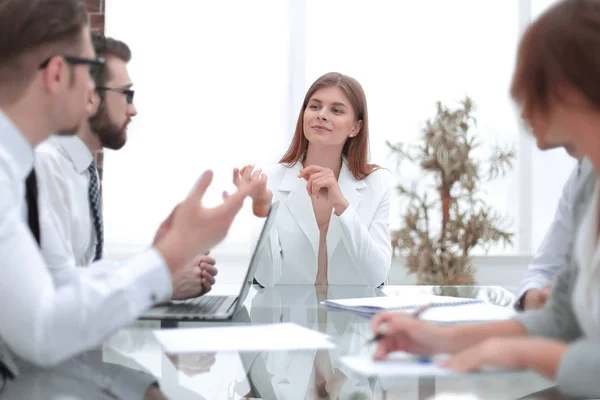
(260, 244)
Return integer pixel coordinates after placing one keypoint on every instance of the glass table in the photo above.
(131, 362)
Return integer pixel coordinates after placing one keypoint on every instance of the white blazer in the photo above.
(359, 250)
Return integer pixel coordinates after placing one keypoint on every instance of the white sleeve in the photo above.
(57, 248)
(44, 323)
(370, 246)
(556, 245)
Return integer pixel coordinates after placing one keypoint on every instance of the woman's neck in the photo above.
(326, 157)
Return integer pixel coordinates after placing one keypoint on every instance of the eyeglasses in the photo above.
(94, 62)
(127, 92)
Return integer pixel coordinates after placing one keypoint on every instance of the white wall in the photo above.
(219, 85)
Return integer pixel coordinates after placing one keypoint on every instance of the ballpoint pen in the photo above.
(415, 314)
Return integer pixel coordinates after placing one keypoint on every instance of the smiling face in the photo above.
(329, 119)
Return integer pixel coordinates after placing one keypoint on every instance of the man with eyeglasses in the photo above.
(45, 60)
(69, 181)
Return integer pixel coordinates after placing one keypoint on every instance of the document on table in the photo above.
(371, 305)
(479, 312)
(286, 336)
(402, 364)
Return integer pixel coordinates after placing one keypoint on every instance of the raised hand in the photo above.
(193, 229)
(256, 183)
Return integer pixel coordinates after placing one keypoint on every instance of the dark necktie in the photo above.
(94, 199)
(31, 195)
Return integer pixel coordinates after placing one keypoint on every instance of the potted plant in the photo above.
(445, 220)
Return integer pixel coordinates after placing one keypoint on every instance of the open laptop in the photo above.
(215, 308)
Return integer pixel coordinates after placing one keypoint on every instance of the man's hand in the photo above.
(195, 279)
(193, 229)
(534, 299)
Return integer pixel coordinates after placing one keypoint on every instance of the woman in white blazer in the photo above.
(333, 224)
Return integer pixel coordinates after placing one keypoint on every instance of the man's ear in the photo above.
(55, 74)
(93, 103)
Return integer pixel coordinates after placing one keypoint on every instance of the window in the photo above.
(220, 85)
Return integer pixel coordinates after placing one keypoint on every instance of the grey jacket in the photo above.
(579, 370)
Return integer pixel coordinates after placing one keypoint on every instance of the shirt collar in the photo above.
(76, 151)
(16, 144)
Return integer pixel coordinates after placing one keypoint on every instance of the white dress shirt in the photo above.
(556, 246)
(46, 322)
(359, 250)
(61, 166)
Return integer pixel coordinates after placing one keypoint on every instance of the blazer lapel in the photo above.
(351, 189)
(300, 205)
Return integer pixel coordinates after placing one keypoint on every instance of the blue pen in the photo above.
(424, 360)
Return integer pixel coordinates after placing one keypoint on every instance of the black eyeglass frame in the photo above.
(73, 60)
(129, 93)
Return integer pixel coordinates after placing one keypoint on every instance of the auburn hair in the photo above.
(356, 149)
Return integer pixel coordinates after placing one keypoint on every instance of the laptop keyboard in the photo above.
(198, 305)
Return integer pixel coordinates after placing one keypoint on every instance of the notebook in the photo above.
(372, 305)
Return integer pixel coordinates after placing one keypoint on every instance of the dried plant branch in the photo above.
(466, 222)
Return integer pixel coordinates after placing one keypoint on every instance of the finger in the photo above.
(311, 169)
(317, 185)
(384, 347)
(195, 197)
(207, 260)
(256, 175)
(207, 253)
(246, 167)
(206, 288)
(225, 195)
(380, 319)
(247, 174)
(309, 183)
(210, 269)
(207, 277)
(236, 177)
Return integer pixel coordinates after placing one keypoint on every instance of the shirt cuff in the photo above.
(529, 285)
(347, 216)
(149, 273)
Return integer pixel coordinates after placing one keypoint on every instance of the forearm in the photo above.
(370, 249)
(461, 337)
(45, 324)
(542, 355)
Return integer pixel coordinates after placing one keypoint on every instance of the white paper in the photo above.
(468, 313)
(405, 302)
(402, 364)
(395, 365)
(285, 336)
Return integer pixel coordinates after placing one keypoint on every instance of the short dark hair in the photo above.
(106, 47)
(560, 47)
(31, 30)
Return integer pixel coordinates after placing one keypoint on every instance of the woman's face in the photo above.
(561, 125)
(329, 118)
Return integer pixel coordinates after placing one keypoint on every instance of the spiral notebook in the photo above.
(372, 305)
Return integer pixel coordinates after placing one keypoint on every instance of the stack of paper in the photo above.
(371, 305)
(285, 336)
